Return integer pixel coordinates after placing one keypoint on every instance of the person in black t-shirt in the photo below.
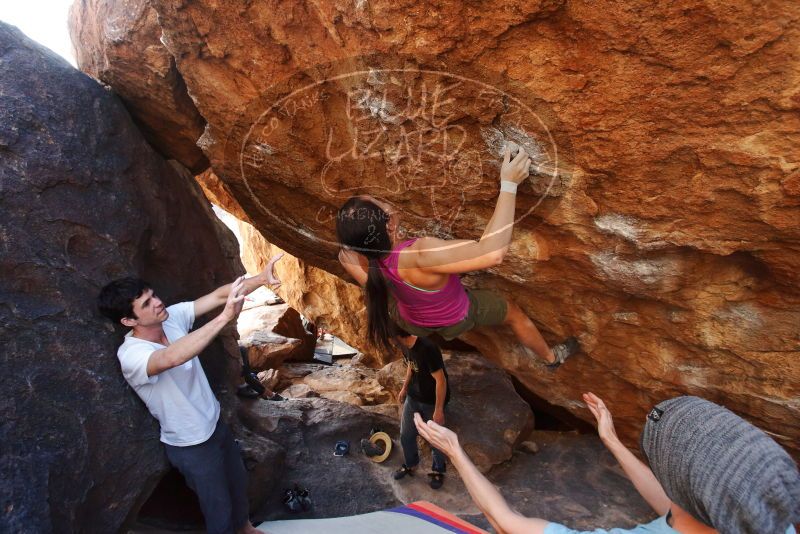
(426, 391)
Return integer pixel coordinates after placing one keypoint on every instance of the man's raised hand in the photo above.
(272, 277)
(233, 306)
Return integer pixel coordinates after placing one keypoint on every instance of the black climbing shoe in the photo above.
(292, 501)
(402, 472)
(276, 397)
(564, 350)
(436, 480)
(304, 498)
(253, 381)
(245, 391)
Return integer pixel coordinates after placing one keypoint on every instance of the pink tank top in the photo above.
(425, 307)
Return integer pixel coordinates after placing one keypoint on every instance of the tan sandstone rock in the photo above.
(119, 43)
(661, 224)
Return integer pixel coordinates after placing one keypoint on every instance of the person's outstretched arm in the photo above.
(441, 395)
(464, 255)
(639, 474)
(401, 396)
(483, 492)
(217, 298)
(187, 347)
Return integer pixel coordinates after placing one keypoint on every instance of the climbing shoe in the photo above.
(304, 498)
(252, 380)
(246, 392)
(292, 501)
(276, 397)
(564, 350)
(403, 471)
(370, 449)
(436, 480)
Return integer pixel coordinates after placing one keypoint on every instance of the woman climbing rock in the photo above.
(416, 283)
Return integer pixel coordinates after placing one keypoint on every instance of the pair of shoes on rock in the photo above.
(297, 500)
(564, 350)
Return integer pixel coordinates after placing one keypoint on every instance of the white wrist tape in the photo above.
(508, 187)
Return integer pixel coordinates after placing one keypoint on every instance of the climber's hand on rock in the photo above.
(605, 424)
(439, 437)
(401, 397)
(515, 170)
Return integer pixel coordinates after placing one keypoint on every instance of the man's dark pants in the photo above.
(215, 471)
(408, 434)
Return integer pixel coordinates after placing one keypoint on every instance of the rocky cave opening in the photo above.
(172, 505)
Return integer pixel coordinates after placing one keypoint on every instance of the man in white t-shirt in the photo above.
(159, 360)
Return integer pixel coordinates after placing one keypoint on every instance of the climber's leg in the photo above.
(526, 332)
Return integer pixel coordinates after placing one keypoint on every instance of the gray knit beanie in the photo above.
(721, 469)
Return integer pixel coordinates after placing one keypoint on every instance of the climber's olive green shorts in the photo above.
(486, 308)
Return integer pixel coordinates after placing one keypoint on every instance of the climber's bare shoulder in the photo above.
(447, 256)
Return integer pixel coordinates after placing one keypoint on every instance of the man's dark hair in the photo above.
(396, 331)
(115, 300)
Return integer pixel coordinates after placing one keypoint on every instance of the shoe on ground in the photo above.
(436, 480)
(564, 350)
(276, 397)
(246, 392)
(370, 449)
(402, 472)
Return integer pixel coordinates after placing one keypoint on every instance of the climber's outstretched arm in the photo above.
(463, 255)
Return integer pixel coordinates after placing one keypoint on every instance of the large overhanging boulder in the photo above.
(84, 199)
(661, 225)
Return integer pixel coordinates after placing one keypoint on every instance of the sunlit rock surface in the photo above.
(661, 225)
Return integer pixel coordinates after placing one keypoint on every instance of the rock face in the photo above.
(354, 385)
(488, 414)
(308, 429)
(84, 199)
(661, 224)
(326, 300)
(273, 334)
(119, 43)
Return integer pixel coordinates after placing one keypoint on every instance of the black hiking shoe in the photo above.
(564, 350)
(436, 480)
(402, 472)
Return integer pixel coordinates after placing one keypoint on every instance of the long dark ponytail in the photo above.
(361, 227)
